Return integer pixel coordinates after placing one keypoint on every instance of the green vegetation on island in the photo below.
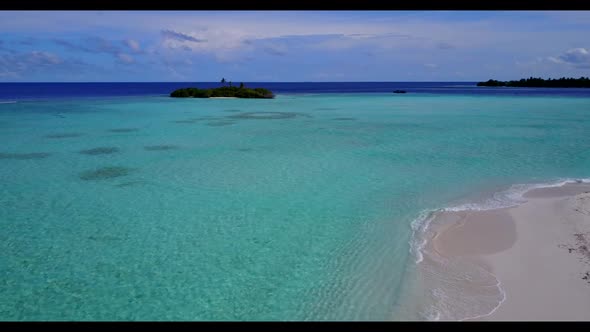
(223, 91)
(582, 82)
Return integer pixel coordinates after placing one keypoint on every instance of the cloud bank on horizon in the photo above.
(292, 45)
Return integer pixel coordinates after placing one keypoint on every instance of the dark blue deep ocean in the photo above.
(36, 91)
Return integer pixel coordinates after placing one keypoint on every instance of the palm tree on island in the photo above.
(223, 91)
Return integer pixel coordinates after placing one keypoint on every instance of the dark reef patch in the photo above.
(64, 135)
(106, 173)
(24, 156)
(344, 119)
(195, 120)
(220, 123)
(186, 121)
(129, 184)
(98, 151)
(123, 130)
(267, 115)
(325, 109)
(160, 147)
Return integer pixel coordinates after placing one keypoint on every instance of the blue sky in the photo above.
(292, 46)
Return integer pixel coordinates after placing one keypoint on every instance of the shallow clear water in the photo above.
(151, 208)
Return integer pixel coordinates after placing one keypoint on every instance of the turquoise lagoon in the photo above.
(304, 207)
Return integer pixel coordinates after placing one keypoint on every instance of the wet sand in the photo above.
(538, 251)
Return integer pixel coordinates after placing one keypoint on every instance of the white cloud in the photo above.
(18, 65)
(125, 58)
(577, 57)
(434, 43)
(229, 31)
(42, 58)
(8, 74)
(133, 45)
(175, 35)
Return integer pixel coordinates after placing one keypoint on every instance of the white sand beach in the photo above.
(538, 251)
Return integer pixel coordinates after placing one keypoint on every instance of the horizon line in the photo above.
(235, 82)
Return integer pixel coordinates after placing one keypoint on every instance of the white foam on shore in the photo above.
(458, 290)
(419, 227)
(513, 196)
(502, 291)
(510, 197)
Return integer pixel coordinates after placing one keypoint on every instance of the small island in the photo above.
(223, 92)
(582, 82)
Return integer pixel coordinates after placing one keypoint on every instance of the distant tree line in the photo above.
(225, 91)
(582, 82)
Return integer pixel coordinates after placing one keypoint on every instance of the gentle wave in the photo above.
(459, 291)
(8, 102)
(513, 196)
(502, 291)
(510, 197)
